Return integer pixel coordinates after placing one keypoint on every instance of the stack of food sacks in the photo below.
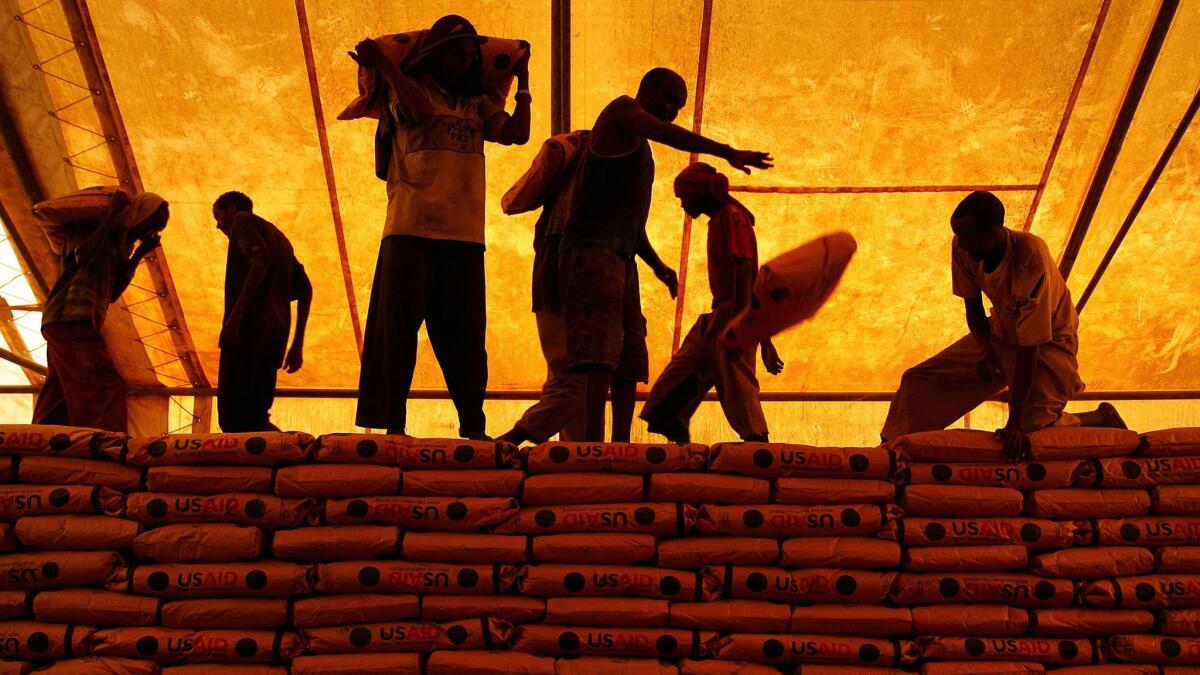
(997, 554)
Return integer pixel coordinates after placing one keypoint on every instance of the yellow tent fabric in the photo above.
(912, 102)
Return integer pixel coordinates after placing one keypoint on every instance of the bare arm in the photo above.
(661, 270)
(632, 118)
(304, 295)
(126, 276)
(516, 127)
(977, 322)
(410, 97)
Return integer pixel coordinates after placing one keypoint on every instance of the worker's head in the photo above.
(145, 216)
(226, 208)
(701, 189)
(978, 224)
(662, 93)
(452, 55)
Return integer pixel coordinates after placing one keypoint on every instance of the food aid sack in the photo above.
(515, 609)
(47, 570)
(1031, 533)
(1148, 531)
(972, 446)
(374, 663)
(1171, 442)
(57, 215)
(822, 491)
(714, 667)
(8, 468)
(78, 471)
(405, 636)
(464, 548)
(1093, 562)
(95, 607)
(850, 552)
(1155, 649)
(1059, 443)
(860, 620)
(790, 288)
(781, 460)
(337, 480)
(266, 511)
(122, 665)
(1173, 622)
(338, 610)
(1085, 622)
(257, 613)
(559, 489)
(667, 643)
(412, 454)
(816, 649)
(1018, 590)
(15, 605)
(210, 480)
(658, 519)
(617, 665)
(1144, 592)
(1025, 476)
(261, 578)
(330, 543)
(1049, 651)
(637, 458)
(423, 514)
(1082, 503)
(490, 662)
(499, 58)
(796, 586)
(554, 581)
(782, 520)
(994, 558)
(44, 641)
(184, 645)
(647, 612)
(78, 533)
(52, 440)
(545, 174)
(463, 483)
(604, 548)
(697, 552)
(970, 620)
(259, 448)
(1142, 472)
(8, 538)
(18, 501)
(199, 542)
(402, 576)
(1175, 500)
(707, 488)
(1183, 559)
(988, 668)
(961, 501)
(741, 616)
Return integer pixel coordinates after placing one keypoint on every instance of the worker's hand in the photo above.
(989, 368)
(669, 278)
(770, 358)
(1016, 441)
(743, 160)
(294, 359)
(367, 53)
(148, 243)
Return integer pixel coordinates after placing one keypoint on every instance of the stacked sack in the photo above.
(1030, 565)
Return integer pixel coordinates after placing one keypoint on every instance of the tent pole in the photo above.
(560, 67)
(1116, 136)
(1136, 209)
(28, 364)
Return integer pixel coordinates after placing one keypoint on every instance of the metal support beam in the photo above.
(27, 364)
(560, 66)
(1116, 136)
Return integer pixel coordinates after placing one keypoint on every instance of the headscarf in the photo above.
(701, 179)
(141, 206)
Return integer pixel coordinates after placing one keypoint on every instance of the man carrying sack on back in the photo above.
(82, 387)
(430, 267)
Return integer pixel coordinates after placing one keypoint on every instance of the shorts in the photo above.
(602, 310)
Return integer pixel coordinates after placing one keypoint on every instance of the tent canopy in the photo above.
(880, 117)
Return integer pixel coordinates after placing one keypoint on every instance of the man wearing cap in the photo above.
(82, 387)
(702, 361)
(430, 266)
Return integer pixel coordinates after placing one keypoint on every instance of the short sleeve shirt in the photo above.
(730, 236)
(436, 180)
(1031, 303)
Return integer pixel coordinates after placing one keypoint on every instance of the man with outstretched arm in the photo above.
(606, 230)
(1028, 345)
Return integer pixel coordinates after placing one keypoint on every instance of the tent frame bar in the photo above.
(560, 67)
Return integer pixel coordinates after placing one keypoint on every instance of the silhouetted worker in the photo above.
(559, 410)
(606, 332)
(430, 266)
(262, 279)
(1029, 345)
(82, 386)
(702, 361)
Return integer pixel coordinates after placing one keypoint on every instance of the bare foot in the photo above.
(1111, 416)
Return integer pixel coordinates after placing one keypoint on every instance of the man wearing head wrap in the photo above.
(702, 361)
(430, 267)
(82, 386)
(1028, 345)
(606, 231)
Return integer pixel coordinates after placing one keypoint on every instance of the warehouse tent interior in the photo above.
(881, 116)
